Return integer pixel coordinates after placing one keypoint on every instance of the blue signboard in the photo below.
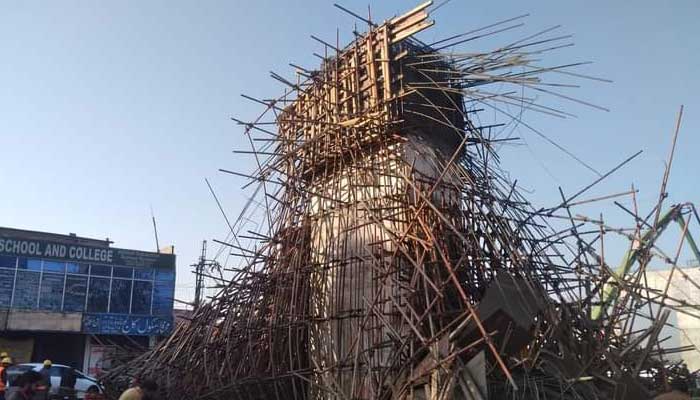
(45, 249)
(107, 324)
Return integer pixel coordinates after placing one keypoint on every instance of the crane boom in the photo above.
(610, 292)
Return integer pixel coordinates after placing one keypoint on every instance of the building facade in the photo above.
(683, 293)
(71, 299)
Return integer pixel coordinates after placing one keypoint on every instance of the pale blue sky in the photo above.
(107, 108)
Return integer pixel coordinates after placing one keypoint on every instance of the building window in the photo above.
(100, 270)
(143, 273)
(53, 266)
(76, 289)
(123, 272)
(7, 281)
(31, 264)
(98, 295)
(75, 268)
(8, 262)
(27, 289)
(141, 302)
(163, 298)
(165, 274)
(120, 297)
(51, 293)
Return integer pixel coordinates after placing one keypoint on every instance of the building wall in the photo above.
(43, 321)
(684, 287)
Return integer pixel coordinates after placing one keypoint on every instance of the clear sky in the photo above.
(110, 107)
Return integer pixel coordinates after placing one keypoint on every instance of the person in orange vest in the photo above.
(6, 362)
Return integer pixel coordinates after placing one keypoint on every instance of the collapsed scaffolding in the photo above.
(399, 262)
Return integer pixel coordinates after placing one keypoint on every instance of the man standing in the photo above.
(4, 364)
(26, 386)
(66, 388)
(46, 377)
(145, 390)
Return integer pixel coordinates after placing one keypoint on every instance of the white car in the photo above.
(58, 372)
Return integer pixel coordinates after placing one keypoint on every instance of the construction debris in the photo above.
(397, 261)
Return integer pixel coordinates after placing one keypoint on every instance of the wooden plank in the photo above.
(372, 69)
(404, 34)
(386, 70)
(409, 14)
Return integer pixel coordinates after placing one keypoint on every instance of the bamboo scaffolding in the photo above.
(390, 229)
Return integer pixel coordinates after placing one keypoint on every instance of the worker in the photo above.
(67, 384)
(26, 386)
(46, 378)
(93, 393)
(4, 364)
(146, 389)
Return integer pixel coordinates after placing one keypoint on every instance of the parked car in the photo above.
(58, 373)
